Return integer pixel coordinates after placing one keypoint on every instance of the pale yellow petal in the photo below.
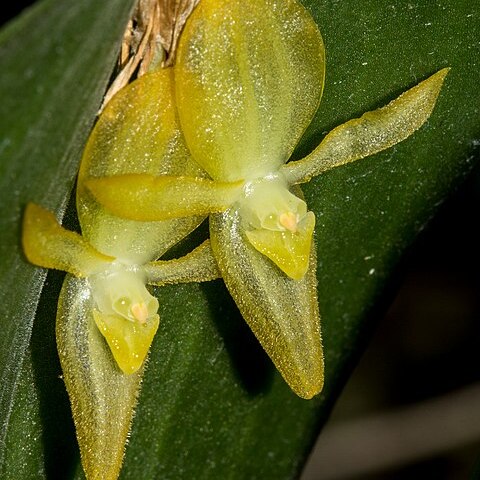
(129, 341)
(101, 395)
(249, 77)
(148, 198)
(47, 244)
(372, 132)
(197, 266)
(137, 132)
(289, 250)
(282, 312)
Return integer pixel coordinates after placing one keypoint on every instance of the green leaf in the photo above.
(212, 405)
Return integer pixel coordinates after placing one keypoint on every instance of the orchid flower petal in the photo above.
(137, 132)
(289, 250)
(103, 398)
(249, 77)
(197, 266)
(149, 198)
(128, 341)
(282, 312)
(47, 244)
(372, 132)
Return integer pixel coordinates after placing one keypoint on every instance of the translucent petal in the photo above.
(149, 198)
(290, 251)
(282, 312)
(197, 266)
(249, 77)
(102, 397)
(137, 132)
(372, 132)
(47, 244)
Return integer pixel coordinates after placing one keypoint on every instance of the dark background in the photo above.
(426, 347)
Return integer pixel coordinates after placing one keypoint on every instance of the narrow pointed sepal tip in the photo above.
(289, 250)
(310, 389)
(436, 80)
(305, 373)
(442, 73)
(129, 341)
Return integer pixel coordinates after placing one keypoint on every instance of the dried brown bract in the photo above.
(150, 39)
(173, 15)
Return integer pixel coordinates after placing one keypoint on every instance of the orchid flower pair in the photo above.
(243, 107)
(210, 136)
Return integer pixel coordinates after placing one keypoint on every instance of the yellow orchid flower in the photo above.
(106, 318)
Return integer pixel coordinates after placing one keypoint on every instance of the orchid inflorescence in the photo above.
(211, 136)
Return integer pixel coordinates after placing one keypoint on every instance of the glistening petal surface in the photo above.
(197, 266)
(49, 245)
(129, 341)
(137, 132)
(290, 251)
(102, 396)
(282, 312)
(249, 77)
(149, 198)
(372, 132)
